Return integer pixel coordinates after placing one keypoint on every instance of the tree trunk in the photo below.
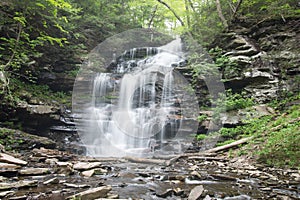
(187, 14)
(152, 16)
(220, 13)
(228, 146)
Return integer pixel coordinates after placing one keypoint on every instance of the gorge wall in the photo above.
(266, 65)
(266, 55)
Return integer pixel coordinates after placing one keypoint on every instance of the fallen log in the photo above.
(202, 154)
(207, 158)
(146, 160)
(167, 157)
(228, 146)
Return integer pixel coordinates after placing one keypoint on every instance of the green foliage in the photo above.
(284, 99)
(27, 28)
(8, 140)
(261, 9)
(252, 126)
(225, 142)
(228, 67)
(281, 146)
(201, 136)
(202, 118)
(229, 102)
(24, 92)
(277, 138)
(201, 67)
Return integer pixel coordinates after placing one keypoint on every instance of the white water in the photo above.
(129, 115)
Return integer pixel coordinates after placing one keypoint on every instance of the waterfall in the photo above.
(136, 108)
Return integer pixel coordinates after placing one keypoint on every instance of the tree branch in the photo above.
(15, 47)
(152, 16)
(236, 8)
(220, 13)
(192, 6)
(173, 11)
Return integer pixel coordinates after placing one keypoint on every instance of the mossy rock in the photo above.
(18, 140)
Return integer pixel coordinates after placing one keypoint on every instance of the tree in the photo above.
(25, 27)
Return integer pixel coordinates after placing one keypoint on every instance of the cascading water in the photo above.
(136, 108)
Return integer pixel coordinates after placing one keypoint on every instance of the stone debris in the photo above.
(61, 175)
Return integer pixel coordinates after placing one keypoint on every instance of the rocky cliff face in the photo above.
(267, 57)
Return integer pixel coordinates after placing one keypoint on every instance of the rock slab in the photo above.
(196, 193)
(94, 193)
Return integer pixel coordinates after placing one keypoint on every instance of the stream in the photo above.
(53, 174)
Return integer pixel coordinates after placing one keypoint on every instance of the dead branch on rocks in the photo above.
(207, 158)
(146, 160)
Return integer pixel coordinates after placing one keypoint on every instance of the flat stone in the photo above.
(2, 178)
(24, 197)
(65, 170)
(40, 109)
(224, 177)
(88, 173)
(71, 185)
(86, 165)
(196, 193)
(165, 194)
(51, 181)
(178, 191)
(266, 189)
(34, 171)
(64, 164)
(51, 161)
(113, 198)
(207, 197)
(19, 184)
(195, 175)
(296, 176)
(9, 166)
(10, 159)
(99, 171)
(91, 194)
(5, 193)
